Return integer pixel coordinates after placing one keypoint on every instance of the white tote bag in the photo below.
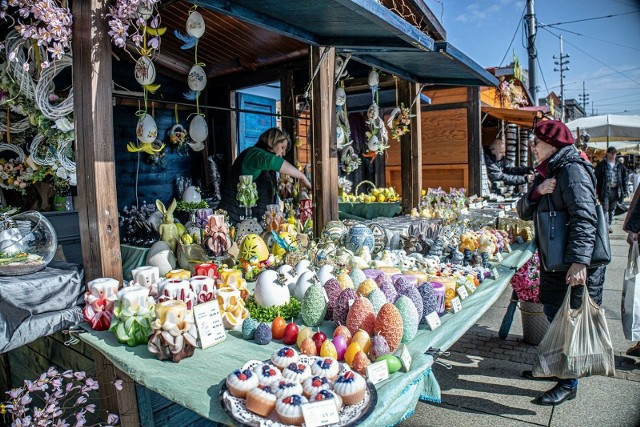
(631, 295)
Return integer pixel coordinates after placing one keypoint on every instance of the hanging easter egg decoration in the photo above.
(373, 144)
(197, 78)
(195, 25)
(145, 71)
(198, 129)
(147, 130)
(340, 137)
(374, 78)
(341, 97)
(144, 12)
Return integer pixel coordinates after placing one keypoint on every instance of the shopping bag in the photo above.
(631, 296)
(577, 343)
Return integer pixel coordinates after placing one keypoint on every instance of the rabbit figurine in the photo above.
(168, 229)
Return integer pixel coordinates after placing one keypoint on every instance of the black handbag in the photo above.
(553, 233)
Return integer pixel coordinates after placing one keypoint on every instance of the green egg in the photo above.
(393, 363)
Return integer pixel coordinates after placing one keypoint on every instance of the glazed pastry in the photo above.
(327, 367)
(283, 357)
(313, 385)
(267, 374)
(286, 388)
(296, 372)
(261, 400)
(240, 382)
(327, 394)
(350, 386)
(290, 409)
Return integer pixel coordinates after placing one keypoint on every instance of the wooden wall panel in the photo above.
(433, 176)
(447, 96)
(489, 96)
(444, 137)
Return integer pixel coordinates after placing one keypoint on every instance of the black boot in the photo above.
(557, 395)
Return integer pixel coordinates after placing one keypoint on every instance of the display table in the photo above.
(195, 383)
(132, 257)
(39, 304)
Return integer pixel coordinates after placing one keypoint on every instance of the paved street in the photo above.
(484, 386)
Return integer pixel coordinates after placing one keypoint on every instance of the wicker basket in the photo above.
(534, 322)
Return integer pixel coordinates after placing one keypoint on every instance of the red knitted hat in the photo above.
(554, 132)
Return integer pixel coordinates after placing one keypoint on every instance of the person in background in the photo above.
(632, 227)
(497, 170)
(262, 161)
(612, 177)
(565, 178)
(635, 180)
(582, 149)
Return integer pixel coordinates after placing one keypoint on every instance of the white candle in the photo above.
(176, 289)
(104, 287)
(204, 287)
(134, 299)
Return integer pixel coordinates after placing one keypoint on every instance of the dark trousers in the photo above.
(610, 203)
(550, 311)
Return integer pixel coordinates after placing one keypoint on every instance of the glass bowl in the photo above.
(28, 242)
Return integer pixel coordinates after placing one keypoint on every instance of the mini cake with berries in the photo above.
(267, 374)
(239, 382)
(297, 372)
(283, 357)
(290, 409)
(327, 367)
(261, 400)
(312, 385)
(350, 386)
(327, 394)
(284, 388)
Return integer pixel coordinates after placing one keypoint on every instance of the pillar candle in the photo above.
(204, 287)
(207, 269)
(134, 299)
(178, 274)
(176, 289)
(172, 311)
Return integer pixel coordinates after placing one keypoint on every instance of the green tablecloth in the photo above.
(132, 257)
(365, 211)
(195, 382)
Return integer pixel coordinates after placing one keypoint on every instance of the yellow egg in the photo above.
(362, 338)
(353, 348)
(328, 350)
(305, 332)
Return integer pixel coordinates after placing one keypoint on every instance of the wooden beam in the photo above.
(288, 108)
(123, 402)
(475, 140)
(323, 137)
(93, 114)
(411, 149)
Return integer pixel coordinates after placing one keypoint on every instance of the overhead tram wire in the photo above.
(543, 79)
(514, 35)
(595, 38)
(587, 19)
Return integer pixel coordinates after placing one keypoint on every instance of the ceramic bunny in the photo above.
(168, 230)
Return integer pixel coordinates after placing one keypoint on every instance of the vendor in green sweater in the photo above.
(262, 161)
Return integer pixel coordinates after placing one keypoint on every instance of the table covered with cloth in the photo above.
(39, 304)
(195, 382)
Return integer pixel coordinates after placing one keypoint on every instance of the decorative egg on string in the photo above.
(338, 66)
(374, 78)
(195, 25)
(340, 137)
(198, 129)
(145, 71)
(144, 12)
(197, 78)
(341, 97)
(147, 130)
(196, 146)
(374, 143)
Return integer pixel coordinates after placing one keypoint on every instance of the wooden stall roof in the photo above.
(522, 118)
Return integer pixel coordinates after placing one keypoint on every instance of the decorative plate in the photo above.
(351, 415)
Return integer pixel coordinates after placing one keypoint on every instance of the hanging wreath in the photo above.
(399, 121)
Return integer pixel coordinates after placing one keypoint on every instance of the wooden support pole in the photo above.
(475, 141)
(411, 149)
(288, 108)
(323, 137)
(93, 114)
(122, 402)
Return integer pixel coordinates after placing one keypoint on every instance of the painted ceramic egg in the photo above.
(380, 238)
(302, 266)
(374, 78)
(147, 130)
(145, 71)
(144, 12)
(341, 97)
(270, 291)
(334, 230)
(359, 236)
(198, 129)
(195, 25)
(197, 79)
(246, 227)
(253, 247)
(305, 281)
(340, 137)
(191, 195)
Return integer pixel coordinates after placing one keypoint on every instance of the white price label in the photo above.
(209, 324)
(320, 413)
(433, 320)
(470, 287)
(405, 357)
(456, 305)
(499, 257)
(377, 372)
(462, 292)
(508, 247)
(494, 273)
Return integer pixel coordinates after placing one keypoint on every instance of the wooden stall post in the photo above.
(323, 137)
(93, 113)
(411, 148)
(475, 141)
(288, 108)
(123, 402)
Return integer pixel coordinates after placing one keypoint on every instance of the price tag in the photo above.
(209, 324)
(456, 305)
(499, 257)
(494, 273)
(405, 357)
(508, 247)
(377, 372)
(320, 413)
(462, 292)
(433, 320)
(470, 288)
(520, 240)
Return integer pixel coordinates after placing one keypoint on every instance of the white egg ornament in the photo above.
(374, 143)
(145, 71)
(197, 78)
(325, 273)
(290, 276)
(341, 97)
(147, 130)
(270, 290)
(305, 281)
(374, 78)
(302, 266)
(195, 25)
(191, 195)
(198, 129)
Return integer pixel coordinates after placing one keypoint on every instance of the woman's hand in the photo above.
(305, 182)
(547, 186)
(577, 275)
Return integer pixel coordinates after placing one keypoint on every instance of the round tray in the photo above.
(351, 415)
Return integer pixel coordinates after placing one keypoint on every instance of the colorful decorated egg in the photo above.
(144, 71)
(254, 249)
(147, 130)
(358, 237)
(195, 25)
(334, 230)
(197, 78)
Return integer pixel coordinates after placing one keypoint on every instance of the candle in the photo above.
(134, 300)
(170, 313)
(147, 276)
(176, 289)
(104, 287)
(178, 274)
(410, 279)
(207, 269)
(204, 287)
(99, 302)
(439, 290)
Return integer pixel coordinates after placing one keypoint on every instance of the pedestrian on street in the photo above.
(632, 227)
(612, 183)
(568, 180)
(501, 175)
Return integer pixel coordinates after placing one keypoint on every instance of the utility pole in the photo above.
(592, 108)
(561, 61)
(530, 17)
(584, 98)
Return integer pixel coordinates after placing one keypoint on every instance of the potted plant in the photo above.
(526, 284)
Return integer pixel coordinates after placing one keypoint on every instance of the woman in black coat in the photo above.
(565, 178)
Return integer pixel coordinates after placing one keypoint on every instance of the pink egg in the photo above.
(340, 343)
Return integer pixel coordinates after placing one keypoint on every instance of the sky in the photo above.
(605, 53)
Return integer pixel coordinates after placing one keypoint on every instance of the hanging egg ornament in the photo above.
(147, 130)
(145, 71)
(374, 143)
(197, 79)
(374, 78)
(340, 137)
(195, 25)
(198, 129)
(341, 97)
(144, 12)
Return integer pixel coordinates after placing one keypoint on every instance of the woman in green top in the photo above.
(262, 161)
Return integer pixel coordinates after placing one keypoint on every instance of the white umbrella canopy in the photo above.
(625, 147)
(608, 127)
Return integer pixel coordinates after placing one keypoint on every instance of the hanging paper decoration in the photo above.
(377, 138)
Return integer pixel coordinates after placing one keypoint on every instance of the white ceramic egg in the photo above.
(270, 291)
(195, 25)
(145, 71)
(374, 78)
(291, 277)
(198, 129)
(325, 273)
(144, 12)
(373, 144)
(340, 137)
(305, 281)
(191, 194)
(197, 78)
(303, 265)
(196, 146)
(341, 97)
(147, 130)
